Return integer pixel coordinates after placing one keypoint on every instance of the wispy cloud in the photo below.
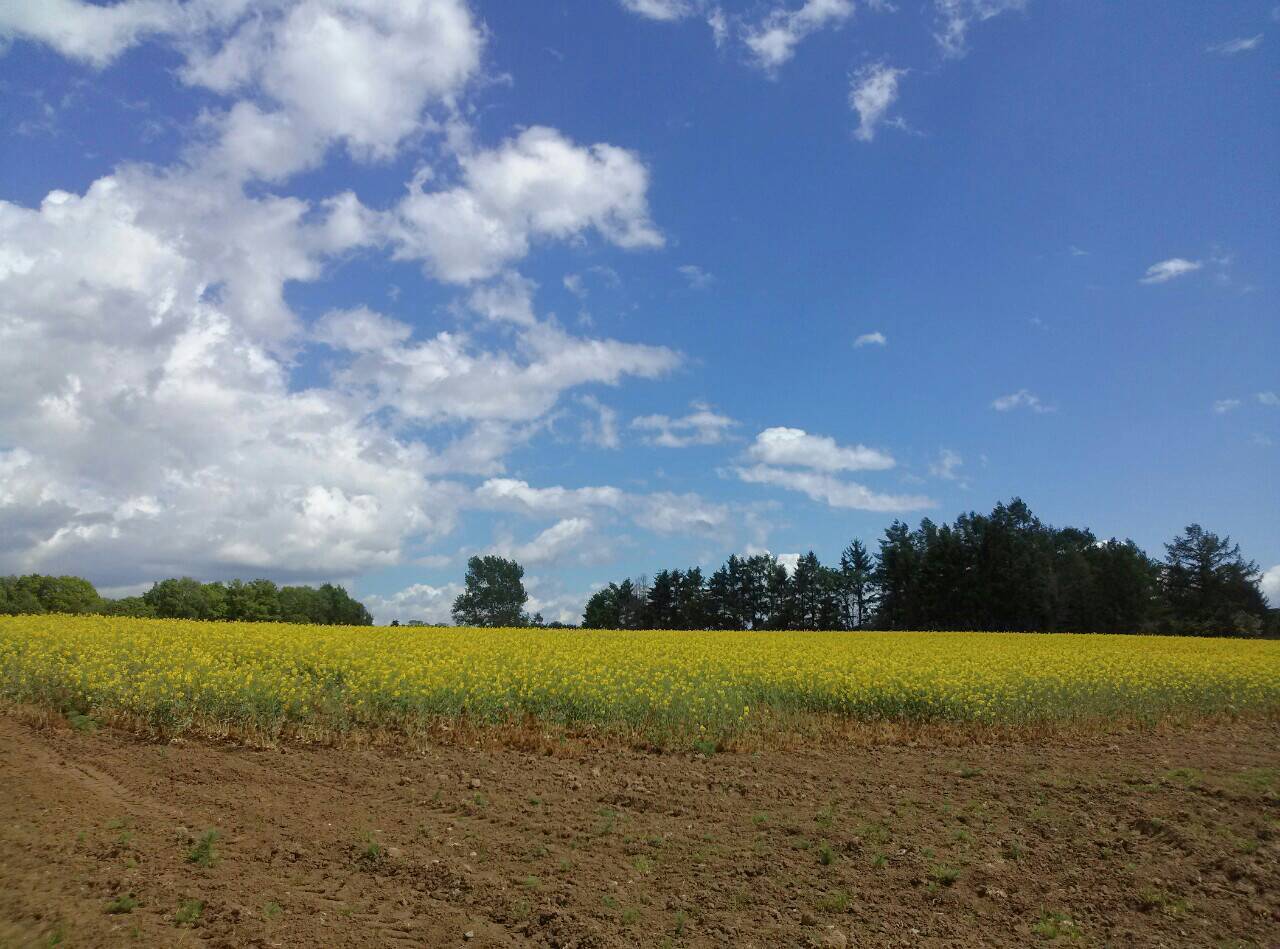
(832, 491)
(947, 466)
(773, 41)
(702, 426)
(660, 9)
(1223, 406)
(1169, 269)
(1022, 399)
(955, 17)
(1240, 45)
(1268, 398)
(871, 339)
(601, 431)
(698, 278)
(873, 90)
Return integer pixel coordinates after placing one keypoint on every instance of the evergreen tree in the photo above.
(856, 585)
(896, 576)
(1210, 589)
(662, 603)
(692, 607)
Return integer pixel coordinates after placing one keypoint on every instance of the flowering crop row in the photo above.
(176, 673)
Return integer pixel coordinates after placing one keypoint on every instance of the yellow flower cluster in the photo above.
(175, 672)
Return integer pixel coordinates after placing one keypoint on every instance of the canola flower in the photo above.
(177, 673)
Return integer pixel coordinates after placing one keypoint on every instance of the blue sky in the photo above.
(352, 289)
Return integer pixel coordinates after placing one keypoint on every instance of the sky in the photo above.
(352, 290)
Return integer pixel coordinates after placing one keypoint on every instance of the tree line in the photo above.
(1006, 570)
(186, 598)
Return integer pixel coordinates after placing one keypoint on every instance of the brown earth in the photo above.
(1140, 838)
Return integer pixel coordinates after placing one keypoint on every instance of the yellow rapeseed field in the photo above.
(175, 674)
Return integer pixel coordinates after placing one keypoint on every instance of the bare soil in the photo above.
(1142, 838)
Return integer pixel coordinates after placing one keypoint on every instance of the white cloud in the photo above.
(1268, 398)
(871, 339)
(1169, 269)
(508, 299)
(360, 72)
(567, 539)
(150, 420)
(832, 491)
(947, 465)
(789, 562)
(1271, 586)
(434, 604)
(661, 512)
(702, 426)
(510, 494)
(955, 17)
(669, 513)
(448, 378)
(873, 90)
(554, 605)
(311, 72)
(794, 446)
(90, 32)
(773, 41)
(602, 431)
(421, 601)
(360, 330)
(573, 283)
(1223, 406)
(1022, 399)
(719, 25)
(536, 185)
(1240, 45)
(698, 278)
(660, 9)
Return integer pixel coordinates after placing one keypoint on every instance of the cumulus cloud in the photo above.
(794, 446)
(1268, 398)
(420, 601)
(306, 73)
(567, 539)
(831, 490)
(774, 39)
(449, 378)
(871, 339)
(1022, 399)
(872, 92)
(538, 185)
(1167, 270)
(1271, 585)
(508, 299)
(1232, 47)
(149, 416)
(1223, 406)
(90, 32)
(956, 17)
(153, 424)
(702, 426)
